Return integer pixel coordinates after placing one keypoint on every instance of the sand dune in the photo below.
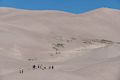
(80, 46)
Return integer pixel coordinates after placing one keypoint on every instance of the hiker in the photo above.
(38, 66)
(52, 67)
(49, 67)
(44, 67)
(34, 66)
(22, 71)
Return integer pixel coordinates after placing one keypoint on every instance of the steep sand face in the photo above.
(72, 42)
(99, 22)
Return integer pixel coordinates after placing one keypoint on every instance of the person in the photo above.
(22, 71)
(34, 66)
(52, 67)
(38, 66)
(49, 67)
(44, 67)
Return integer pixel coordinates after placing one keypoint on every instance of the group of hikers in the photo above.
(42, 67)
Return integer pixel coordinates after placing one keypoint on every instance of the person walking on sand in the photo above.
(44, 67)
(34, 66)
(22, 71)
(49, 67)
(38, 66)
(52, 67)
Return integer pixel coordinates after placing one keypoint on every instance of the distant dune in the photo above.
(80, 46)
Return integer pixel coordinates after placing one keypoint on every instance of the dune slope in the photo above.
(80, 47)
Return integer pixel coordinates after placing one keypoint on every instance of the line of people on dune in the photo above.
(42, 67)
(21, 71)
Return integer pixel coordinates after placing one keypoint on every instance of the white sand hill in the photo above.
(78, 46)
